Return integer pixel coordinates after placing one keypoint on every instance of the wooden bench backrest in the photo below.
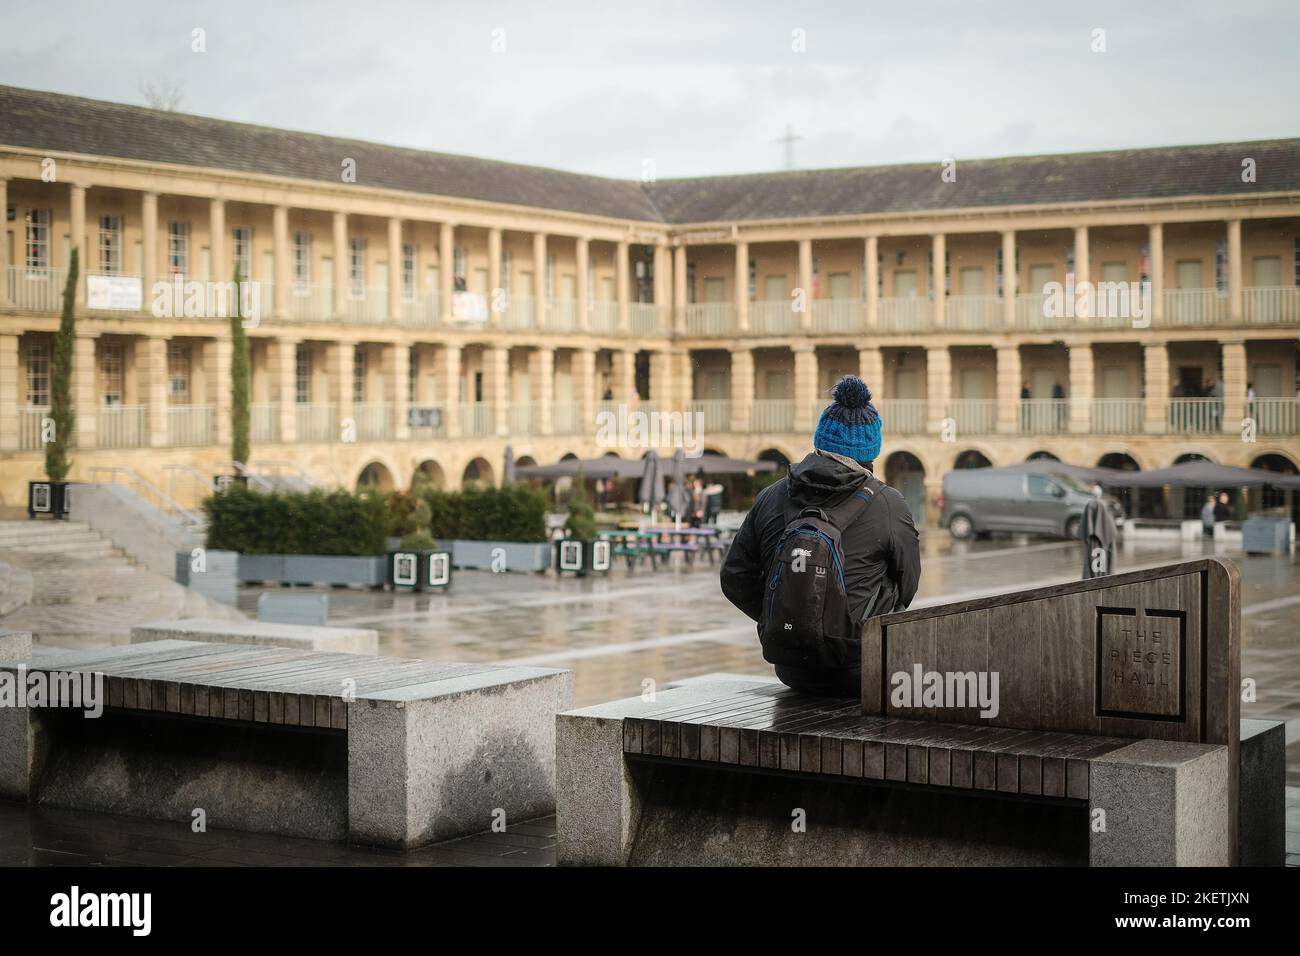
(1153, 653)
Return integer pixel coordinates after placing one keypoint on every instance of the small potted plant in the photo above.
(581, 550)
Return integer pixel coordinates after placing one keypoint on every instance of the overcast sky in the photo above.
(696, 87)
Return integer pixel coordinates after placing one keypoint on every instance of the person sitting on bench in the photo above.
(824, 549)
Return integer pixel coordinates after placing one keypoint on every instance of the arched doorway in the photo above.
(1279, 500)
(1186, 502)
(429, 474)
(972, 459)
(375, 477)
(1042, 456)
(478, 472)
(1147, 498)
(904, 471)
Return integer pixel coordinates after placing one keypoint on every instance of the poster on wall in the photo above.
(114, 293)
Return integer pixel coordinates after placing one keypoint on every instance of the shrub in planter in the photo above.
(581, 551)
(514, 513)
(312, 522)
(417, 563)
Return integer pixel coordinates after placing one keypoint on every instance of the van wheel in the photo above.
(1072, 528)
(960, 527)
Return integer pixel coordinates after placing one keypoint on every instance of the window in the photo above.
(178, 248)
(37, 228)
(1266, 272)
(505, 269)
(1297, 260)
(302, 376)
(458, 258)
(412, 375)
(110, 372)
(408, 272)
(357, 266)
(1114, 272)
(243, 249)
(110, 244)
(178, 372)
(38, 373)
(1040, 487)
(301, 260)
(358, 374)
(690, 282)
(1221, 266)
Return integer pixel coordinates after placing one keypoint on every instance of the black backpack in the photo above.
(805, 620)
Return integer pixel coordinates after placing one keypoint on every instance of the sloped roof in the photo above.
(39, 120)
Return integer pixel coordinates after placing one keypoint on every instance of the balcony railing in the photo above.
(523, 419)
(191, 425)
(903, 416)
(773, 317)
(1040, 416)
(264, 422)
(974, 416)
(519, 313)
(36, 290)
(976, 313)
(422, 309)
(772, 415)
(1262, 306)
(603, 317)
(310, 303)
(646, 318)
(716, 412)
(1117, 416)
(477, 419)
(837, 315)
(1275, 416)
(1031, 310)
(122, 426)
(908, 313)
(29, 426)
(1195, 415)
(374, 420)
(316, 422)
(366, 305)
(1195, 307)
(710, 318)
(565, 418)
(562, 315)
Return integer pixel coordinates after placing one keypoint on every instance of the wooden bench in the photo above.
(378, 750)
(1074, 767)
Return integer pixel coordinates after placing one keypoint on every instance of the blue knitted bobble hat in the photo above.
(850, 425)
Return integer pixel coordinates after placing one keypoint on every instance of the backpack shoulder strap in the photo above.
(848, 511)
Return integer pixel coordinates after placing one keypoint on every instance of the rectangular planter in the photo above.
(365, 570)
(582, 557)
(49, 499)
(512, 556)
(213, 573)
(417, 570)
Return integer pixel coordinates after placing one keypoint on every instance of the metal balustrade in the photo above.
(1040, 416)
(903, 416)
(716, 412)
(36, 290)
(710, 318)
(974, 416)
(1195, 307)
(565, 418)
(562, 315)
(1197, 416)
(972, 312)
(523, 419)
(1271, 306)
(264, 422)
(191, 425)
(1275, 416)
(374, 420)
(316, 422)
(904, 313)
(1117, 416)
(646, 318)
(772, 415)
(773, 317)
(122, 426)
(477, 419)
(838, 315)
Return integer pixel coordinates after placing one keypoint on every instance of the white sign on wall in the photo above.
(120, 293)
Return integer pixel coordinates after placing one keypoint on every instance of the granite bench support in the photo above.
(303, 637)
(378, 750)
(1077, 766)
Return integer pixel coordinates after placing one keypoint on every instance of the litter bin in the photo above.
(1265, 535)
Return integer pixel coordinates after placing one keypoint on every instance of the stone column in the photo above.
(805, 283)
(583, 368)
(541, 379)
(539, 280)
(679, 290)
(84, 400)
(220, 350)
(1082, 270)
(1156, 239)
(217, 262)
(1010, 281)
(1009, 388)
(495, 290)
(938, 387)
(623, 375)
(742, 300)
(397, 378)
(449, 381)
(4, 246)
(77, 223)
(1081, 388)
(938, 284)
(661, 380)
(1234, 273)
(395, 274)
(871, 281)
(9, 423)
(621, 286)
(283, 255)
(871, 369)
(1155, 363)
(148, 246)
(157, 386)
(342, 268)
(805, 387)
(663, 287)
(742, 390)
(496, 366)
(340, 360)
(1234, 384)
(582, 266)
(446, 257)
(285, 352)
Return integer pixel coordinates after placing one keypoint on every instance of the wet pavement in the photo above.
(616, 633)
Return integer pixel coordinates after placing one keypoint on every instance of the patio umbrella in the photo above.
(722, 465)
(1203, 474)
(651, 490)
(678, 500)
(593, 468)
(508, 472)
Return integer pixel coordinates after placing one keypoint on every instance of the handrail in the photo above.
(164, 500)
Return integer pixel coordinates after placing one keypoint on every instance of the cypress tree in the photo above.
(239, 373)
(61, 410)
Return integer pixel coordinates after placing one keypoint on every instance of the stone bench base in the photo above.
(304, 637)
(376, 750)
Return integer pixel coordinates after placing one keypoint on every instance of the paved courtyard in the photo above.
(617, 632)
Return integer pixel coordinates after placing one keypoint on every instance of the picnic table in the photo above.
(659, 543)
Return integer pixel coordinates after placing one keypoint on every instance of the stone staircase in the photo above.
(71, 587)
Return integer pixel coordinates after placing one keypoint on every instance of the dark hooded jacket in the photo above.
(881, 546)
